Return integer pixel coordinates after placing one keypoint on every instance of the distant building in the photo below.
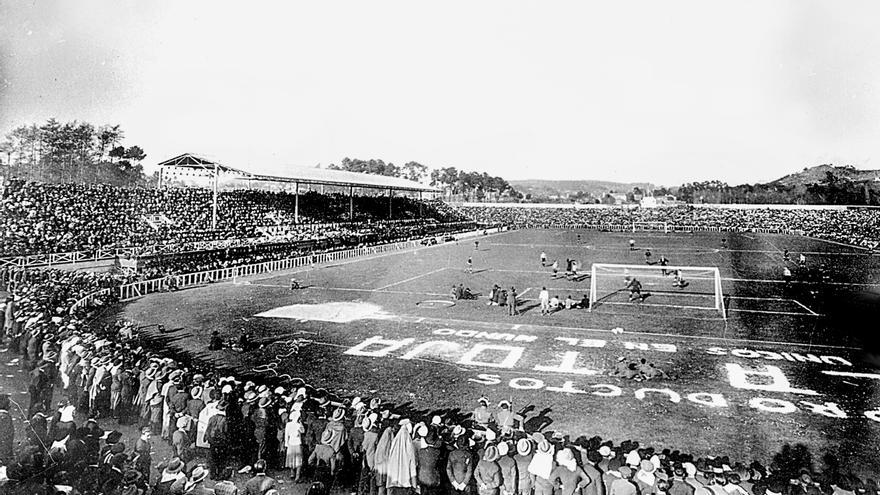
(665, 200)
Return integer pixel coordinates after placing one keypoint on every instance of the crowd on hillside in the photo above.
(242, 435)
(859, 227)
(39, 218)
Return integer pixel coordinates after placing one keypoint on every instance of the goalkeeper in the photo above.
(679, 281)
(635, 290)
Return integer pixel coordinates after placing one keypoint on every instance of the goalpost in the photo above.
(701, 289)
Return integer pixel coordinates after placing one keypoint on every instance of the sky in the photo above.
(663, 92)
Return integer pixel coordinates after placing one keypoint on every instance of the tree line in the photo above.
(72, 152)
(831, 190)
(458, 184)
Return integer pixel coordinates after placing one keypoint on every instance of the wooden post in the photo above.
(214, 210)
(296, 203)
(351, 203)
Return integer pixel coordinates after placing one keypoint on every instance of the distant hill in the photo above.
(817, 174)
(564, 188)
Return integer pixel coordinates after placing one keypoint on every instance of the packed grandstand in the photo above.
(89, 381)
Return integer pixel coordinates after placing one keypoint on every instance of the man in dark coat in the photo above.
(430, 466)
(217, 436)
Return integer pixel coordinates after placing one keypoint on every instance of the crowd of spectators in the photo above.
(237, 434)
(41, 218)
(857, 226)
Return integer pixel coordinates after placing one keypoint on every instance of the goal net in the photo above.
(685, 287)
(650, 227)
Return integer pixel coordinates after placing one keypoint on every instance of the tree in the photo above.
(135, 153)
(414, 171)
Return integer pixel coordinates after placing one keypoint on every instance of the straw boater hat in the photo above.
(326, 436)
(647, 466)
(174, 466)
(503, 449)
(491, 454)
(198, 474)
(264, 402)
(422, 430)
(484, 401)
(338, 414)
(196, 392)
(523, 447)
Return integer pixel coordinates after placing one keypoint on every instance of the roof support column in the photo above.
(351, 203)
(296, 203)
(214, 208)
(421, 214)
(390, 195)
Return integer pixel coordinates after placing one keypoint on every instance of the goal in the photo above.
(650, 227)
(700, 290)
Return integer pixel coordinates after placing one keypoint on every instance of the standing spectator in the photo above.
(460, 467)
(293, 431)
(508, 468)
(488, 474)
(571, 477)
(523, 457)
(430, 458)
(217, 436)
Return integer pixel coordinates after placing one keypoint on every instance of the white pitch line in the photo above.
(853, 375)
(411, 278)
(804, 306)
(731, 279)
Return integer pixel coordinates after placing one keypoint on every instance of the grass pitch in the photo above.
(788, 365)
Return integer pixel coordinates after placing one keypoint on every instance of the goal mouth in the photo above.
(691, 288)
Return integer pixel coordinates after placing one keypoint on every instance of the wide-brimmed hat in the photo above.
(250, 396)
(367, 423)
(326, 436)
(198, 474)
(523, 447)
(491, 454)
(484, 401)
(422, 430)
(504, 403)
(196, 392)
(545, 446)
(503, 449)
(174, 466)
(264, 402)
(338, 414)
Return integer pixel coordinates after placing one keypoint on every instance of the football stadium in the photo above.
(458, 248)
(749, 331)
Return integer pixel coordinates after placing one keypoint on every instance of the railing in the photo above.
(88, 300)
(137, 289)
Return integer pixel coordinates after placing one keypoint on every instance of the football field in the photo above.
(783, 364)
